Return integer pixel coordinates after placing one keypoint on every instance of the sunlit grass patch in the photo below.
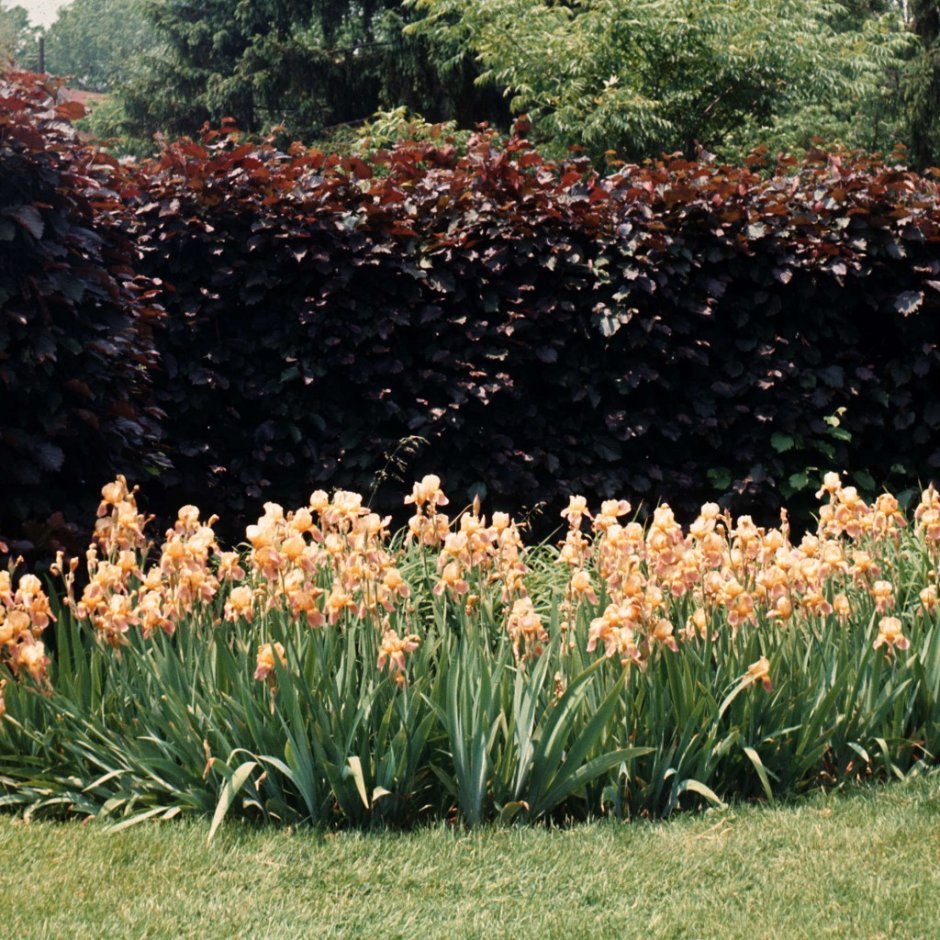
(834, 866)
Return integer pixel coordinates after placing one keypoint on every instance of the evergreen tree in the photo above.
(306, 64)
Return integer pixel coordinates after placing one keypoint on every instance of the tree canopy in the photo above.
(631, 78)
(17, 36)
(922, 88)
(646, 76)
(307, 64)
(96, 42)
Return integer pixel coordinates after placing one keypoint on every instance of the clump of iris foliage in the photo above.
(331, 673)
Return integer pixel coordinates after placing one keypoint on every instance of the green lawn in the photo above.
(865, 864)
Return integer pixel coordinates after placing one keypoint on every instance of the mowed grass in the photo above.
(864, 864)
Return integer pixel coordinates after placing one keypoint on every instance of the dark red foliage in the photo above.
(75, 320)
(547, 330)
(677, 330)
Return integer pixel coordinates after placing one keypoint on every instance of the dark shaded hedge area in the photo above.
(76, 345)
(678, 331)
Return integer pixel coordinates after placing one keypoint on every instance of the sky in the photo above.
(41, 12)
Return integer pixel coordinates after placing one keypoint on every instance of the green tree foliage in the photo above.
(635, 76)
(17, 36)
(646, 76)
(95, 42)
(922, 89)
(306, 64)
(909, 97)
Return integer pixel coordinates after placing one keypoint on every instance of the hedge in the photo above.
(675, 330)
(75, 320)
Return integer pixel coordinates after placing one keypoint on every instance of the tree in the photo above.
(923, 83)
(306, 64)
(17, 36)
(647, 76)
(96, 42)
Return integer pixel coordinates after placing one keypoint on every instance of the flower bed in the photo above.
(332, 673)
